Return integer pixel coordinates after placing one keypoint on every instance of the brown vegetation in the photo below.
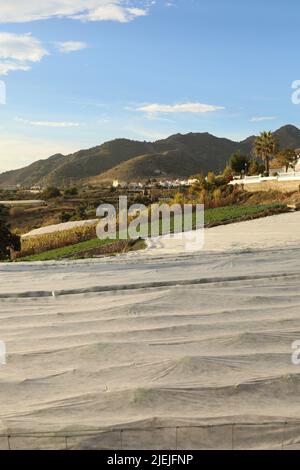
(50, 241)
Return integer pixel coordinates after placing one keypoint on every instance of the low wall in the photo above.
(23, 202)
(254, 184)
(283, 186)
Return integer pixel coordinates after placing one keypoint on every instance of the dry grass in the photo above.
(50, 241)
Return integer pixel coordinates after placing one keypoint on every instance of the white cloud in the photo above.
(179, 108)
(6, 67)
(60, 124)
(22, 47)
(16, 50)
(262, 118)
(71, 46)
(112, 12)
(20, 11)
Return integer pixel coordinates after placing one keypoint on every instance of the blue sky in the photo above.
(80, 72)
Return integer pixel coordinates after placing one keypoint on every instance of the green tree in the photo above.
(211, 177)
(65, 217)
(80, 214)
(8, 241)
(51, 193)
(265, 147)
(287, 158)
(254, 168)
(239, 163)
(71, 191)
(227, 172)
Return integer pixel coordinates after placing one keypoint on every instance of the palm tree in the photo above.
(265, 146)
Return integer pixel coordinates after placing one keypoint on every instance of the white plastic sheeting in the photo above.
(196, 354)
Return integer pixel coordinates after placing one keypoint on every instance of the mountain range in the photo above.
(127, 160)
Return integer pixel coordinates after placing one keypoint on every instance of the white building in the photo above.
(119, 184)
(192, 181)
(282, 170)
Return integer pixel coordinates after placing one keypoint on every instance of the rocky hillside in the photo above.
(177, 156)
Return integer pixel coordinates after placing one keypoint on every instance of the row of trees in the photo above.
(266, 148)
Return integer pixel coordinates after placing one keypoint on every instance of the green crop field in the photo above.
(212, 217)
(232, 213)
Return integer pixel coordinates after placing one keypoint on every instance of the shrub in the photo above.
(65, 217)
(217, 195)
(9, 242)
(179, 199)
(80, 214)
(239, 162)
(211, 177)
(71, 191)
(51, 193)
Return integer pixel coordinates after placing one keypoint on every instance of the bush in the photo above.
(71, 192)
(80, 214)
(239, 162)
(211, 177)
(254, 168)
(65, 217)
(9, 243)
(217, 195)
(51, 193)
(179, 198)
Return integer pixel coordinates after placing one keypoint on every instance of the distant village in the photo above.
(166, 184)
(276, 173)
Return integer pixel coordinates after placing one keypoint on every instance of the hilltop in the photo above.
(176, 156)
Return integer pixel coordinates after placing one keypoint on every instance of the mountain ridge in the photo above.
(179, 155)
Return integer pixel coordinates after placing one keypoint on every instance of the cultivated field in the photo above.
(160, 349)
